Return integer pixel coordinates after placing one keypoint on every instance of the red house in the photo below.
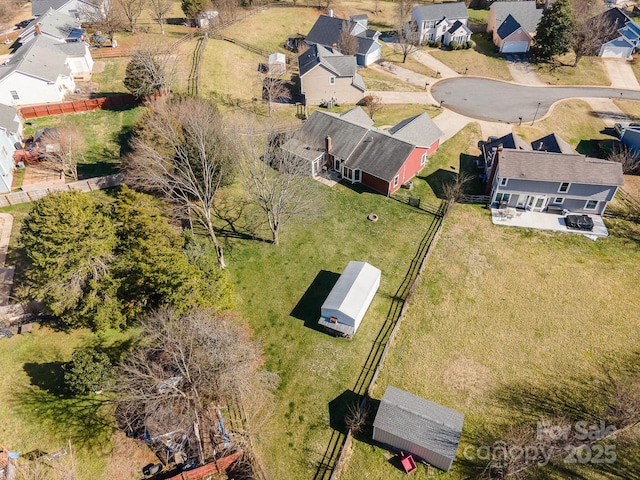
(349, 144)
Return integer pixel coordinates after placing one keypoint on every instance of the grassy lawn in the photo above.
(574, 122)
(589, 71)
(280, 289)
(636, 67)
(500, 308)
(269, 29)
(104, 132)
(38, 415)
(390, 115)
(481, 60)
(395, 57)
(110, 79)
(631, 108)
(478, 15)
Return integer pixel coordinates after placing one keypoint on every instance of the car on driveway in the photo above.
(619, 128)
(23, 24)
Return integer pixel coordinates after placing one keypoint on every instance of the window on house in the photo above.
(395, 181)
(558, 200)
(564, 187)
(502, 197)
(356, 175)
(423, 159)
(503, 182)
(15, 95)
(332, 80)
(591, 205)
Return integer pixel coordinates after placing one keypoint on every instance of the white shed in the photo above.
(418, 426)
(277, 64)
(350, 298)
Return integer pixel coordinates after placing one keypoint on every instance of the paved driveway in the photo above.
(497, 101)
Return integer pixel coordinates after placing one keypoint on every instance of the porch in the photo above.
(516, 217)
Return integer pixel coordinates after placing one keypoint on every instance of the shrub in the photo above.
(88, 371)
(454, 45)
(438, 44)
(471, 44)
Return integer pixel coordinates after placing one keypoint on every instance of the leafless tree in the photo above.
(407, 41)
(629, 160)
(275, 90)
(356, 417)
(159, 9)
(132, 9)
(276, 181)
(183, 154)
(347, 44)
(67, 147)
(8, 9)
(589, 31)
(372, 104)
(183, 368)
(105, 15)
(403, 11)
(453, 191)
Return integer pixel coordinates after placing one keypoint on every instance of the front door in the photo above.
(536, 203)
(337, 164)
(521, 201)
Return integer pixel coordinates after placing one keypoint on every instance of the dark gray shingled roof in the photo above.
(508, 26)
(420, 421)
(436, 11)
(340, 65)
(380, 155)
(552, 143)
(614, 17)
(357, 115)
(510, 140)
(525, 13)
(39, 7)
(326, 31)
(558, 167)
(419, 130)
(457, 25)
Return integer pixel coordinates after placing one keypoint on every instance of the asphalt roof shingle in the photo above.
(558, 167)
(507, 27)
(326, 31)
(44, 58)
(419, 130)
(523, 12)
(552, 143)
(436, 11)
(420, 421)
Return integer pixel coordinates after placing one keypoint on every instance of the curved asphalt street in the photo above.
(498, 101)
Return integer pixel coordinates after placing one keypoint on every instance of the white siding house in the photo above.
(432, 21)
(344, 308)
(10, 135)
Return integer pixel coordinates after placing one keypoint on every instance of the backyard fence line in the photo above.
(432, 235)
(102, 103)
(119, 51)
(88, 185)
(480, 199)
(193, 83)
(477, 27)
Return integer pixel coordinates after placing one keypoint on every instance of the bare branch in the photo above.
(347, 44)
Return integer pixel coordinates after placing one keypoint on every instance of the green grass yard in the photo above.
(589, 71)
(501, 309)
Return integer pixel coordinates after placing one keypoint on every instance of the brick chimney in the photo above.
(327, 145)
(38, 29)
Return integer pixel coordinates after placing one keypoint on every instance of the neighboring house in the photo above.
(10, 138)
(360, 153)
(624, 36)
(350, 297)
(535, 180)
(327, 75)
(550, 143)
(80, 9)
(631, 139)
(513, 25)
(53, 24)
(326, 32)
(38, 72)
(418, 426)
(435, 20)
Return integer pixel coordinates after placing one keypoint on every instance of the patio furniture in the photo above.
(579, 222)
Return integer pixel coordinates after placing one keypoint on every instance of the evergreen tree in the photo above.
(89, 370)
(555, 30)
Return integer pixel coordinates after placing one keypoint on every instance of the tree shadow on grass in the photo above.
(49, 377)
(85, 421)
(308, 307)
(467, 166)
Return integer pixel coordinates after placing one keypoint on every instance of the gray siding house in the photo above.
(418, 426)
(537, 180)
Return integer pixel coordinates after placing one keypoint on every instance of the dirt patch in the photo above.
(127, 458)
(476, 263)
(464, 376)
(98, 67)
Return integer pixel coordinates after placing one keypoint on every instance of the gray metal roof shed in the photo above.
(350, 297)
(413, 424)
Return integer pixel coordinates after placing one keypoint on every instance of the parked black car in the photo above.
(23, 23)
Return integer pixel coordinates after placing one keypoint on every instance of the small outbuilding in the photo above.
(418, 426)
(277, 64)
(344, 308)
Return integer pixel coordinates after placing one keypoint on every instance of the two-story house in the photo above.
(441, 22)
(10, 138)
(513, 25)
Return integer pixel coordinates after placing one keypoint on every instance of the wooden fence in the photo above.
(47, 109)
(481, 199)
(89, 185)
(477, 27)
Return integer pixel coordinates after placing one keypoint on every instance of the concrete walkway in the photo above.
(620, 73)
(6, 273)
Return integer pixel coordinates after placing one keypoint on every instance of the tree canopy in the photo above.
(555, 30)
(102, 265)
